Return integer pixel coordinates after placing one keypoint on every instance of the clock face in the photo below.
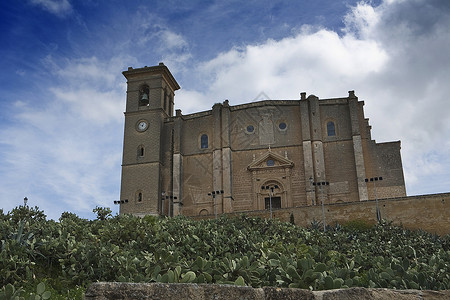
(142, 126)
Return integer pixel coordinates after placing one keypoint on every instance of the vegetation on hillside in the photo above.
(40, 256)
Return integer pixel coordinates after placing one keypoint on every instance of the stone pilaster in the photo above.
(307, 150)
(227, 180)
(226, 159)
(318, 158)
(177, 164)
(176, 179)
(217, 156)
(357, 146)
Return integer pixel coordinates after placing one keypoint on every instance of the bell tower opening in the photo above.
(144, 95)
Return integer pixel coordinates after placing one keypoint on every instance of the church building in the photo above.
(237, 158)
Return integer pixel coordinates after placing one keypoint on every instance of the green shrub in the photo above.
(358, 225)
(70, 254)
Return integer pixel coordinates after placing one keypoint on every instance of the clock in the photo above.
(142, 125)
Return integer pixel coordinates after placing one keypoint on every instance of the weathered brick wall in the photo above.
(192, 130)
(195, 187)
(341, 171)
(160, 291)
(427, 212)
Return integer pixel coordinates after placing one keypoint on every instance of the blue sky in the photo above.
(62, 94)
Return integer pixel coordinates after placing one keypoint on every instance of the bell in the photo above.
(144, 97)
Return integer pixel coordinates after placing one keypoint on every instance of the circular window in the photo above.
(282, 126)
(250, 128)
(270, 163)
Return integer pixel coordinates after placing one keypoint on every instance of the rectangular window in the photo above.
(276, 202)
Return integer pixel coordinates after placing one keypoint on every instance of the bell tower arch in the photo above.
(150, 88)
(150, 94)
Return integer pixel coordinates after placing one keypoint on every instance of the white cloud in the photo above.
(87, 103)
(172, 40)
(89, 86)
(171, 47)
(88, 71)
(60, 8)
(65, 154)
(174, 49)
(317, 62)
(192, 101)
(360, 20)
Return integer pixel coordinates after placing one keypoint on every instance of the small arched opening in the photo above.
(331, 128)
(204, 141)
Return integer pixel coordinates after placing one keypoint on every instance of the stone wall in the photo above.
(427, 212)
(161, 291)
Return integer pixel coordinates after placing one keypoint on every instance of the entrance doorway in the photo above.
(276, 202)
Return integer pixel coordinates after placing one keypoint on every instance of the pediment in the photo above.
(278, 162)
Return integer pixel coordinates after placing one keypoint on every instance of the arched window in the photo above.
(204, 141)
(139, 197)
(331, 129)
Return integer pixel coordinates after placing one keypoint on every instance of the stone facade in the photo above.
(244, 157)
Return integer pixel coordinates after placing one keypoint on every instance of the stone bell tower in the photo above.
(150, 100)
